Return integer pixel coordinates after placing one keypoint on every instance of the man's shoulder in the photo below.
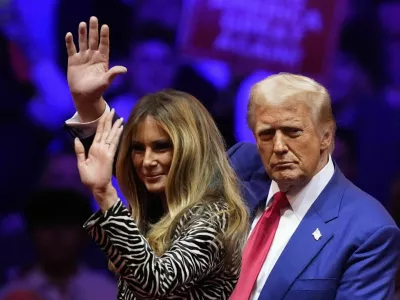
(244, 159)
(242, 147)
(364, 210)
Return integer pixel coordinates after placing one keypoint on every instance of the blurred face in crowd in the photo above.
(58, 245)
(61, 172)
(290, 142)
(167, 13)
(152, 153)
(345, 80)
(153, 67)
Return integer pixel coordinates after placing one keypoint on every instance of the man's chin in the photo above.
(285, 178)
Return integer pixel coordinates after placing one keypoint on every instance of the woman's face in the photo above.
(152, 153)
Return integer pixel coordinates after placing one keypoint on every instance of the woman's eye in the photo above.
(163, 146)
(137, 148)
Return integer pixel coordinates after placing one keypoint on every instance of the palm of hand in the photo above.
(96, 170)
(86, 74)
(88, 71)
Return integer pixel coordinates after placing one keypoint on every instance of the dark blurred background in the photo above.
(215, 50)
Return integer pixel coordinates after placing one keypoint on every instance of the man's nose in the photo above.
(280, 143)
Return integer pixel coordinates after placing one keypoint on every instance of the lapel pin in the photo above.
(317, 234)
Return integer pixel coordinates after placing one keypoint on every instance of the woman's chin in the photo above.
(155, 187)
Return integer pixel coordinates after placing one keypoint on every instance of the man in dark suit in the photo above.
(314, 234)
(329, 239)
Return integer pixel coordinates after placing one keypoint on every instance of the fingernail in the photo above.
(122, 119)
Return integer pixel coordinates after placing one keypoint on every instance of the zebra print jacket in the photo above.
(193, 267)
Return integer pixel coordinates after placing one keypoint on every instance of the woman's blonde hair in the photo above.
(200, 171)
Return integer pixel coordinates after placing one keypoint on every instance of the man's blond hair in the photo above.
(281, 87)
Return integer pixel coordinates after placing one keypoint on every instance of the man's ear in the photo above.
(327, 136)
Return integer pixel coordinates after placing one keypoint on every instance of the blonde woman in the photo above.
(182, 235)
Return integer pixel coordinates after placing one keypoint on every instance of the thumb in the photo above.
(79, 150)
(114, 72)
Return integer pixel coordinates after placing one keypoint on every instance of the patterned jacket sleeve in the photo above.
(193, 255)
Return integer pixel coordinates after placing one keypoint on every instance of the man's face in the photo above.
(289, 142)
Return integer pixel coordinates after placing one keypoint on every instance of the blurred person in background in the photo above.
(54, 220)
(357, 73)
(165, 13)
(356, 84)
(201, 77)
(153, 64)
(60, 171)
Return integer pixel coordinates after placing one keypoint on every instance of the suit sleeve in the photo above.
(371, 271)
(192, 256)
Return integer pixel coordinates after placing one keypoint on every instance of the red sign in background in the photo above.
(276, 35)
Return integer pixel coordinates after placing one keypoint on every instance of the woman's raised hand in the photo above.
(95, 169)
(88, 73)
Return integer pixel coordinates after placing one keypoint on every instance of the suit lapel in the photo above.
(303, 246)
(297, 254)
(256, 190)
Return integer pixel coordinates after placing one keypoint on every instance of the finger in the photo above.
(100, 128)
(114, 72)
(107, 126)
(82, 31)
(104, 46)
(114, 144)
(114, 130)
(93, 33)
(69, 43)
(80, 151)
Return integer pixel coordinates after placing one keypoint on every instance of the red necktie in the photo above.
(257, 247)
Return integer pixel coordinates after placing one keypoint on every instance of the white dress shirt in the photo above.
(289, 221)
(84, 130)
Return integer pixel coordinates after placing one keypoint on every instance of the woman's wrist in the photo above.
(106, 197)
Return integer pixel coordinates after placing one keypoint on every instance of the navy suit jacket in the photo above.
(356, 257)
